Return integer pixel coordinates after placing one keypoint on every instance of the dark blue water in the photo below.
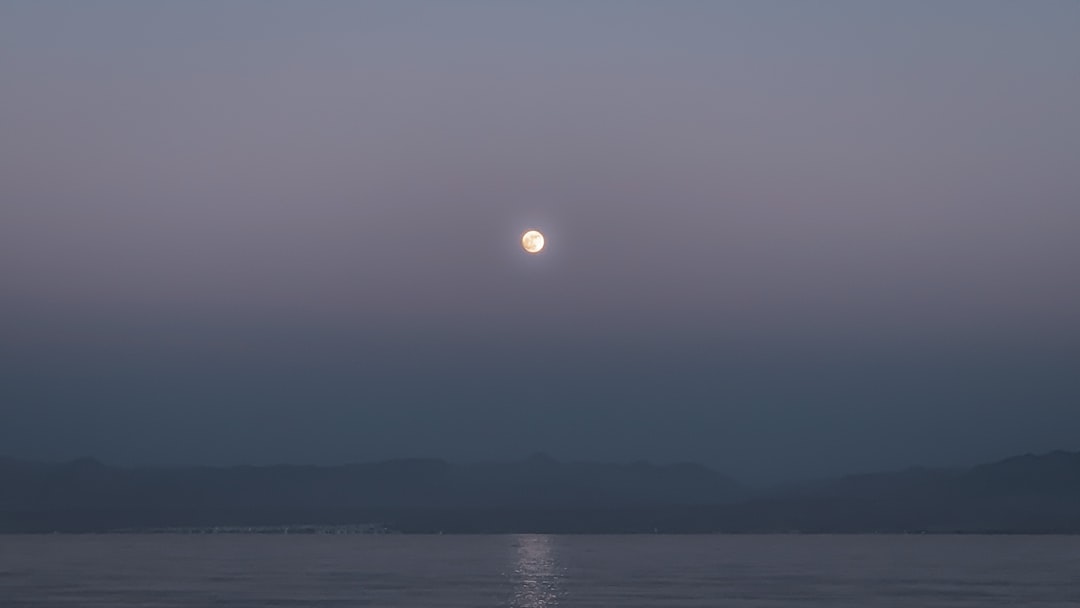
(539, 571)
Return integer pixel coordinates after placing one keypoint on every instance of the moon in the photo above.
(532, 241)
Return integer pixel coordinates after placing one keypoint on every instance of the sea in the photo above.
(538, 571)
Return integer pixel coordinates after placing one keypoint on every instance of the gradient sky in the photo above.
(785, 239)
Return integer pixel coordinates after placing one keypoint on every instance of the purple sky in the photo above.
(271, 231)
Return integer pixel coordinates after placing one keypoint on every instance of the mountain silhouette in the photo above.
(1024, 494)
(88, 486)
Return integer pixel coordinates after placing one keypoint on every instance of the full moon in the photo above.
(532, 241)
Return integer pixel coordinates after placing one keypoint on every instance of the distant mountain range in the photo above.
(1025, 494)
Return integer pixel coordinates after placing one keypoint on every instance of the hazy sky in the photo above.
(784, 238)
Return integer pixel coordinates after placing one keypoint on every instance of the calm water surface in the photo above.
(539, 571)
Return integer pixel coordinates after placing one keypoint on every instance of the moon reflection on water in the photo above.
(537, 576)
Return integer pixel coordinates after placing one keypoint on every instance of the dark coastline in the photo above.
(737, 519)
(1021, 495)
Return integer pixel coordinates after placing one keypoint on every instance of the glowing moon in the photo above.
(532, 241)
